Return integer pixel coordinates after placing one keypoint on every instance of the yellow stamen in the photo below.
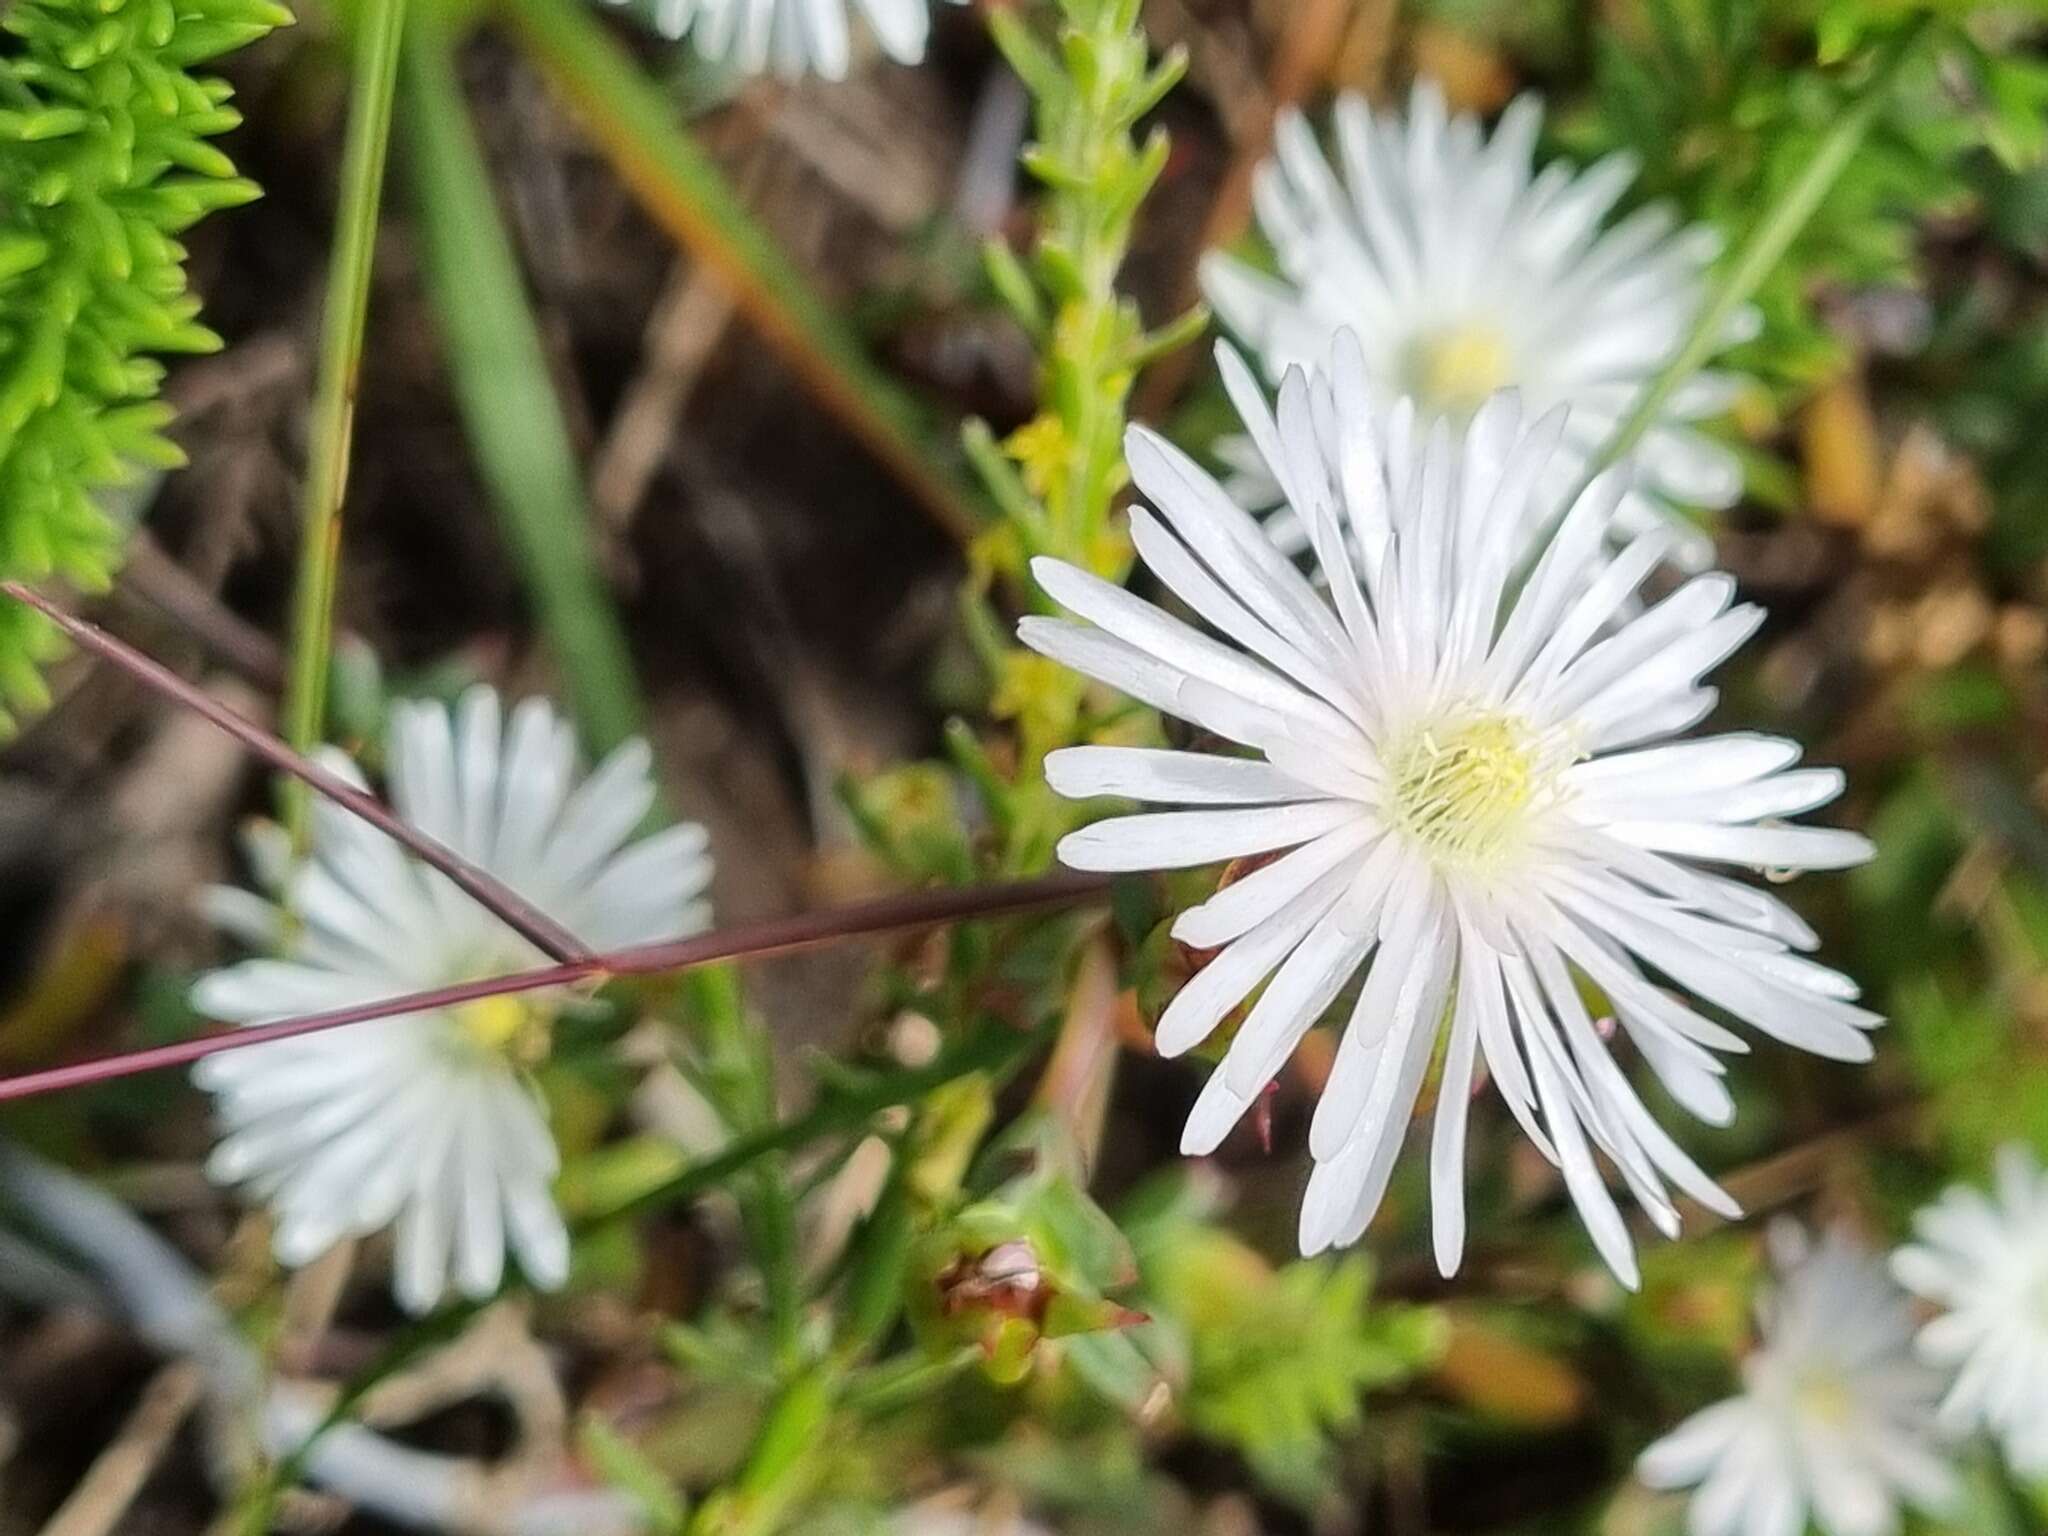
(1461, 789)
(1825, 1398)
(1453, 371)
(512, 1027)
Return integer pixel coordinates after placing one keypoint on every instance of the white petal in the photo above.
(1237, 908)
(1172, 778)
(1756, 847)
(1225, 981)
(1683, 1457)
(1185, 839)
(1308, 982)
(1447, 1138)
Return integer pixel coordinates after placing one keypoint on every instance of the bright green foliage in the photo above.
(1056, 479)
(1764, 88)
(1066, 466)
(1969, 990)
(1035, 1261)
(911, 816)
(1276, 1360)
(104, 161)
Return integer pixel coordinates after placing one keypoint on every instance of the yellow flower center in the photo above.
(1825, 1398)
(1462, 789)
(1453, 371)
(514, 1027)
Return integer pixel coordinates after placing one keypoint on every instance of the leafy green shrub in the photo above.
(1764, 87)
(104, 162)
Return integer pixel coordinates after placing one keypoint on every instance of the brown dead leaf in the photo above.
(1503, 1377)
(1838, 444)
(1475, 77)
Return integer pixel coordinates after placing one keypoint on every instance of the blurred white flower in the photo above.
(1835, 1417)
(792, 37)
(1984, 1260)
(427, 1120)
(1467, 778)
(1465, 271)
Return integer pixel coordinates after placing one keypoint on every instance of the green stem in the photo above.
(994, 1047)
(334, 405)
(1767, 244)
(739, 1072)
(774, 1477)
(897, 1383)
(506, 394)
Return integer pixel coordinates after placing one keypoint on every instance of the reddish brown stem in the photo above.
(748, 941)
(544, 932)
(152, 575)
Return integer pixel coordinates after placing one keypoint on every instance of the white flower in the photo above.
(792, 36)
(1835, 1415)
(427, 1120)
(1465, 272)
(1984, 1260)
(1469, 782)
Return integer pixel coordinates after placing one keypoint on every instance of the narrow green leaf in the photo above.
(635, 125)
(506, 397)
(1768, 242)
(368, 145)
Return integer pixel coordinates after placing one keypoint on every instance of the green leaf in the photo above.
(634, 123)
(620, 1463)
(507, 399)
(373, 92)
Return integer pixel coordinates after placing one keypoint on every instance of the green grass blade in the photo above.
(368, 144)
(1767, 243)
(635, 126)
(506, 397)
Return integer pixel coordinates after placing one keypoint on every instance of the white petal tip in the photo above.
(1214, 1116)
(1720, 1202)
(1063, 770)
(1192, 929)
(1088, 851)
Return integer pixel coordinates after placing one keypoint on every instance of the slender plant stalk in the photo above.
(1767, 243)
(506, 396)
(513, 909)
(739, 1077)
(1313, 32)
(334, 405)
(634, 123)
(748, 941)
(995, 1049)
(523, 444)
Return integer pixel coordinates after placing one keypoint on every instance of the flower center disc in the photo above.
(1462, 790)
(512, 1027)
(1453, 371)
(1825, 1398)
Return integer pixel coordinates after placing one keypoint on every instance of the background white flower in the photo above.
(794, 36)
(1984, 1260)
(427, 1119)
(1465, 271)
(1835, 1416)
(1469, 782)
